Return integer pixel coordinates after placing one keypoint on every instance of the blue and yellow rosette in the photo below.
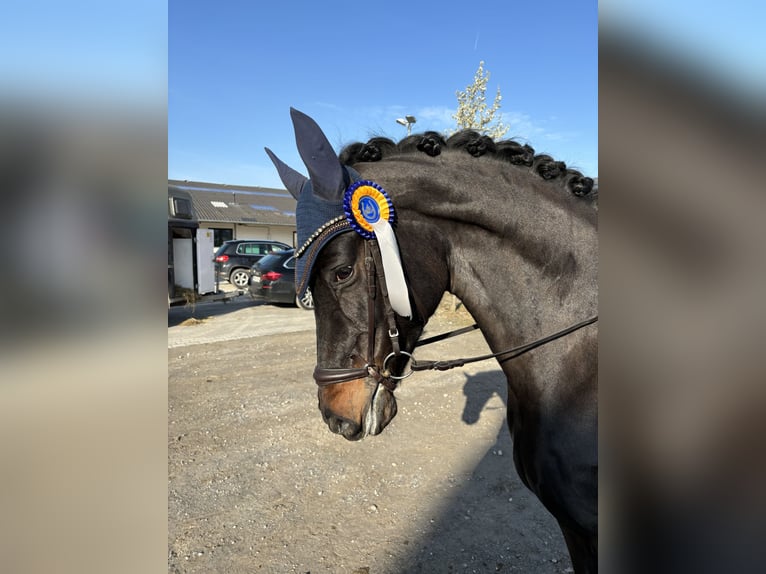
(367, 204)
(371, 214)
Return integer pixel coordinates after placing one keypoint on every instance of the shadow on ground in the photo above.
(493, 523)
(200, 311)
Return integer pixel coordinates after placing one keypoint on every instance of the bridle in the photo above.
(380, 373)
(374, 270)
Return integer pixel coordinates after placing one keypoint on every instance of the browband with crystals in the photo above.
(317, 233)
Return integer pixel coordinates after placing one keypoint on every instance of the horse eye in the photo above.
(344, 273)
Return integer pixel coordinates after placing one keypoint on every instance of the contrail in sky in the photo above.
(476, 43)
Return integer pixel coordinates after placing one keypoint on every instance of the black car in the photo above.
(272, 279)
(235, 257)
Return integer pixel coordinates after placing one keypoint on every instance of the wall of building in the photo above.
(274, 232)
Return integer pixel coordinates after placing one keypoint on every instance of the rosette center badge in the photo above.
(367, 206)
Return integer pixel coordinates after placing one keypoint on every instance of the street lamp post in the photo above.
(407, 121)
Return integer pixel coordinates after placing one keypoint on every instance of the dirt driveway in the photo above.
(257, 483)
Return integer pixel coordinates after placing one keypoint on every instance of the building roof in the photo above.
(222, 203)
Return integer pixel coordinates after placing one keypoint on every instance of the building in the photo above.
(241, 212)
(182, 230)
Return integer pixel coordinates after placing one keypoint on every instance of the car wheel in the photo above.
(305, 302)
(239, 278)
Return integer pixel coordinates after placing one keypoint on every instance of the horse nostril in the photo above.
(335, 424)
(344, 427)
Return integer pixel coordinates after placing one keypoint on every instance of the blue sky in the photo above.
(725, 40)
(236, 67)
(89, 52)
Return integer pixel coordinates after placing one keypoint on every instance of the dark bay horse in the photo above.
(513, 235)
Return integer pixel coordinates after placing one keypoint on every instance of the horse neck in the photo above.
(520, 252)
(524, 273)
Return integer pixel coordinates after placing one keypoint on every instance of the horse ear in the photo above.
(292, 179)
(328, 178)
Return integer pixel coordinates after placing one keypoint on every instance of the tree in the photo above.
(472, 110)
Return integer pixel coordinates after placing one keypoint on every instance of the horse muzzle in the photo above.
(355, 402)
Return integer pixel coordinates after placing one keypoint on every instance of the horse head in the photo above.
(364, 333)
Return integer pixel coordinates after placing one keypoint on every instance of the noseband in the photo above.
(374, 268)
(380, 373)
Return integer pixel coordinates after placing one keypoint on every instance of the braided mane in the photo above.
(477, 145)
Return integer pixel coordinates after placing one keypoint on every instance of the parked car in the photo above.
(235, 257)
(272, 279)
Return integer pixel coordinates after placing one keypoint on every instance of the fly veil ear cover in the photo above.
(321, 215)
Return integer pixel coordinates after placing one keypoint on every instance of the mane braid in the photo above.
(430, 143)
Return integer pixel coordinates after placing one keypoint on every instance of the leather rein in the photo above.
(381, 374)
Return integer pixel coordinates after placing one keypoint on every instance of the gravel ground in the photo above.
(257, 483)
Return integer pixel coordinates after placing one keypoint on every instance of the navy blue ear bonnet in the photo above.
(335, 199)
(319, 215)
(318, 221)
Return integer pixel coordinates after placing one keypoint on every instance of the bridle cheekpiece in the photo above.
(370, 212)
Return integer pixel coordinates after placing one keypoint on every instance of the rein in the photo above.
(374, 269)
(512, 353)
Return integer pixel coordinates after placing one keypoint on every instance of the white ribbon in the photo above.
(398, 294)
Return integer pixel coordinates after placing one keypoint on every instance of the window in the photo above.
(253, 249)
(221, 235)
(180, 207)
